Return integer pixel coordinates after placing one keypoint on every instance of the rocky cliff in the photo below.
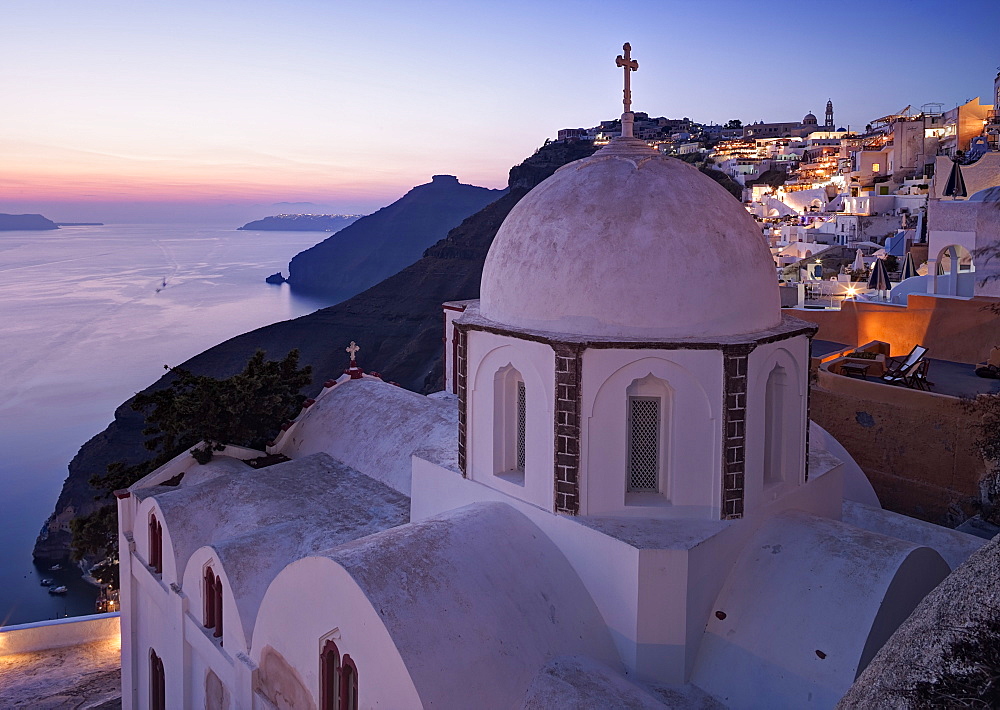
(382, 243)
(302, 223)
(397, 323)
(17, 222)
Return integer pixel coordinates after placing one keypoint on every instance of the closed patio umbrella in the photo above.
(859, 262)
(909, 269)
(879, 280)
(955, 187)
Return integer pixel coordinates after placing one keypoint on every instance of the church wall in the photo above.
(488, 354)
(313, 600)
(128, 599)
(154, 625)
(792, 356)
(141, 535)
(233, 637)
(608, 568)
(451, 312)
(711, 561)
(691, 441)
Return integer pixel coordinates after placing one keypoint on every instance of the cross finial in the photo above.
(352, 349)
(629, 65)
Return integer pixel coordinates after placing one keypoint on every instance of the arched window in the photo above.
(644, 443)
(510, 423)
(776, 436)
(208, 595)
(349, 685)
(155, 544)
(330, 671)
(157, 683)
(212, 595)
(646, 415)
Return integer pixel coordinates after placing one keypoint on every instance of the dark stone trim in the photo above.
(808, 405)
(566, 479)
(735, 360)
(461, 366)
(770, 336)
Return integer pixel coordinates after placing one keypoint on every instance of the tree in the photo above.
(246, 409)
(734, 123)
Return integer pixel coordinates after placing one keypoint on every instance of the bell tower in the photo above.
(829, 115)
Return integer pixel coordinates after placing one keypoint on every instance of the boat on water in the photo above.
(47, 582)
(58, 590)
(55, 568)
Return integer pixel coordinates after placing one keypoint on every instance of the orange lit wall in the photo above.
(962, 330)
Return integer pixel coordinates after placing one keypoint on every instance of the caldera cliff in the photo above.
(398, 324)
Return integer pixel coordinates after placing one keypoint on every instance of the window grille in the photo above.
(522, 421)
(644, 443)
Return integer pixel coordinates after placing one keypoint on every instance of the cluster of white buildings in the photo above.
(816, 188)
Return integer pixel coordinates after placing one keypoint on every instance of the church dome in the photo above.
(809, 119)
(629, 243)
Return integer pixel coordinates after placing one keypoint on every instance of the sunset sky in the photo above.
(124, 111)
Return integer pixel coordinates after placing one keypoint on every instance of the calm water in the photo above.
(88, 316)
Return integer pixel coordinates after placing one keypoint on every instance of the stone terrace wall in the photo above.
(42, 635)
(915, 447)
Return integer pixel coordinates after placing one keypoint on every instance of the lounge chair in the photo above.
(918, 378)
(907, 371)
(894, 366)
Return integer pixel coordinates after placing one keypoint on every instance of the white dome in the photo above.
(629, 243)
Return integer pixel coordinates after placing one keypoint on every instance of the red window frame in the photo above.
(157, 683)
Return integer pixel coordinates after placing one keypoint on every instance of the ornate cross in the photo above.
(352, 349)
(629, 65)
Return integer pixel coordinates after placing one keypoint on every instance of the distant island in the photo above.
(303, 222)
(19, 222)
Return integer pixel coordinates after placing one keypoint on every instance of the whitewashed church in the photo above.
(618, 501)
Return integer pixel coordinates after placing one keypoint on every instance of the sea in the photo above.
(89, 315)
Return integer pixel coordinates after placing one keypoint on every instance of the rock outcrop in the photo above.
(19, 222)
(947, 653)
(397, 323)
(379, 245)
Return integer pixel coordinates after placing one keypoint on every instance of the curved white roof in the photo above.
(806, 606)
(375, 427)
(630, 243)
(259, 520)
(477, 601)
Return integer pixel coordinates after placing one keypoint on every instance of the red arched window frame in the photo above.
(213, 603)
(157, 683)
(218, 609)
(348, 684)
(155, 544)
(329, 665)
(208, 594)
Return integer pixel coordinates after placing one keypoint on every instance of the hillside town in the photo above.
(831, 202)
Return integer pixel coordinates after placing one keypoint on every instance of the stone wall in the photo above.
(915, 447)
